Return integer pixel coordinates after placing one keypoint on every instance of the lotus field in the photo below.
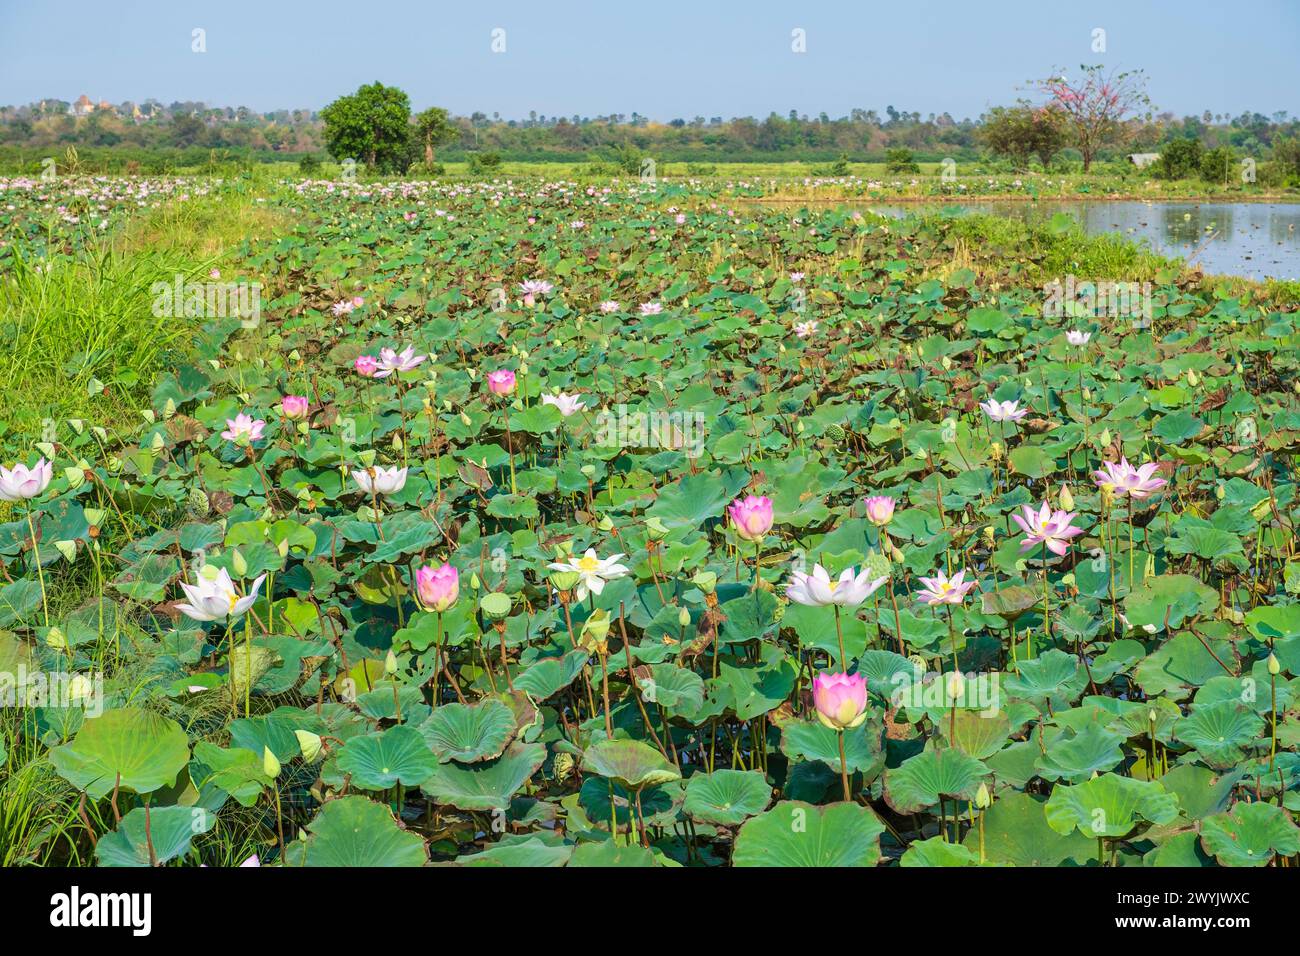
(538, 523)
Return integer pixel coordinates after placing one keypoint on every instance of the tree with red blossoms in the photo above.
(1097, 105)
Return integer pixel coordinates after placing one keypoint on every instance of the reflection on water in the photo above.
(1255, 240)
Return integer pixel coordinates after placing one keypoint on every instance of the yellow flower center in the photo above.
(588, 564)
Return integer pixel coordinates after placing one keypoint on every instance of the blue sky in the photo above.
(663, 59)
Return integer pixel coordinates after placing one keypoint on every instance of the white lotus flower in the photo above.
(380, 481)
(566, 404)
(213, 596)
(818, 590)
(21, 483)
(593, 572)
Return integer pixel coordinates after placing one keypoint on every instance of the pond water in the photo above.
(1255, 240)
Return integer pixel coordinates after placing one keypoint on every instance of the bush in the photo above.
(309, 165)
(485, 162)
(899, 159)
(1180, 159)
(1216, 165)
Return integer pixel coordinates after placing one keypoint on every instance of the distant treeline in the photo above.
(124, 137)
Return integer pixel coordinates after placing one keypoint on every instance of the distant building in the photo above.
(1143, 160)
(82, 107)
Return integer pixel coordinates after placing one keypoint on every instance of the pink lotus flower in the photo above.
(21, 483)
(1004, 411)
(752, 518)
(840, 699)
(796, 277)
(391, 361)
(531, 288)
(942, 589)
(438, 588)
(651, 308)
(294, 406)
(243, 429)
(880, 509)
(1123, 479)
(680, 219)
(1046, 527)
(366, 366)
(608, 306)
(343, 307)
(805, 329)
(1077, 339)
(566, 404)
(501, 382)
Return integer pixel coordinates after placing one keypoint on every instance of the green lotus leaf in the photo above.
(1250, 834)
(1109, 806)
(939, 773)
(608, 853)
(727, 797)
(488, 785)
(672, 688)
(1219, 732)
(1077, 757)
(1166, 601)
(355, 832)
(469, 732)
(813, 740)
(128, 748)
(1016, 832)
(937, 851)
(170, 832)
(399, 754)
(799, 834)
(631, 763)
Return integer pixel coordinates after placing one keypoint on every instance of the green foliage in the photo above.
(371, 126)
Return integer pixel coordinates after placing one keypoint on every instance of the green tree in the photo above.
(1180, 158)
(433, 128)
(372, 124)
(1019, 132)
(899, 159)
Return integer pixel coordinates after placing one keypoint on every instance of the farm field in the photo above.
(550, 521)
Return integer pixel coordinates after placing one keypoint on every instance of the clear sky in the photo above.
(663, 58)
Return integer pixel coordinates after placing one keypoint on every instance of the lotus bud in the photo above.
(1087, 394)
(655, 529)
(474, 582)
(270, 765)
(1219, 492)
(1067, 499)
(596, 627)
(465, 420)
(1105, 437)
(397, 441)
(955, 684)
(283, 548)
(982, 797)
(706, 581)
(895, 554)
(683, 618)
(390, 663)
(989, 532)
(1191, 377)
(239, 563)
(1274, 668)
(1151, 715)
(946, 363)
(310, 744)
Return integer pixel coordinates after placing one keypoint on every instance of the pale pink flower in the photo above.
(391, 361)
(880, 510)
(942, 589)
(1052, 529)
(243, 429)
(501, 382)
(1004, 411)
(294, 406)
(438, 588)
(651, 308)
(366, 366)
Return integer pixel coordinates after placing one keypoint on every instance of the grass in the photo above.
(82, 338)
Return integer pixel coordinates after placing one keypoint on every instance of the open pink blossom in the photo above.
(942, 589)
(21, 483)
(243, 429)
(1052, 529)
(1004, 411)
(391, 361)
(1123, 479)
(366, 366)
